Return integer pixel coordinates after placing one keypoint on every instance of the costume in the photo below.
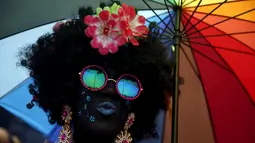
(110, 28)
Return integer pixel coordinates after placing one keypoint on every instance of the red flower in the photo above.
(56, 27)
(103, 30)
(131, 24)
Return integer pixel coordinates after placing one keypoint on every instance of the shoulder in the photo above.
(19, 130)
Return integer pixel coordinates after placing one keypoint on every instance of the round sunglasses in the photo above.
(94, 78)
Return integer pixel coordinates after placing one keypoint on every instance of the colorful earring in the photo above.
(65, 133)
(124, 136)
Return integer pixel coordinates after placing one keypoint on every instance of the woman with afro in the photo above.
(103, 76)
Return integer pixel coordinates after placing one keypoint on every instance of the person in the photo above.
(5, 137)
(15, 130)
(103, 76)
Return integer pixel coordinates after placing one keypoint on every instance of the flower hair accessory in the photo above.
(114, 26)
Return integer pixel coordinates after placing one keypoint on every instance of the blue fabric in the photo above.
(15, 102)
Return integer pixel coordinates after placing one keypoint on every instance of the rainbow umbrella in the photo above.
(214, 46)
(216, 102)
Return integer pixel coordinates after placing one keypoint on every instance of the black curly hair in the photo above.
(55, 60)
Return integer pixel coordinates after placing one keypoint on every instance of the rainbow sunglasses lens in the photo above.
(128, 87)
(94, 78)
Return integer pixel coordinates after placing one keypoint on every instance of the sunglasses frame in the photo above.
(109, 79)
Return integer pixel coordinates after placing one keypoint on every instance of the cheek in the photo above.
(123, 111)
(112, 124)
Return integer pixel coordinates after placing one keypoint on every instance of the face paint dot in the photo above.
(88, 98)
(91, 118)
(79, 113)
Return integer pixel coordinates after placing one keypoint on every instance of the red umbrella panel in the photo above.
(220, 72)
(222, 57)
(217, 62)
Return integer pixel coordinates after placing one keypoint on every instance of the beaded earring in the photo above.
(66, 133)
(125, 136)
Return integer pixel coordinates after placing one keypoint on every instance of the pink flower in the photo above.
(132, 24)
(106, 38)
(56, 27)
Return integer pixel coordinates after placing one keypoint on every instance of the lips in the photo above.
(106, 108)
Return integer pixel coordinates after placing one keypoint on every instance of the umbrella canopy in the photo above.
(215, 55)
(216, 102)
(18, 16)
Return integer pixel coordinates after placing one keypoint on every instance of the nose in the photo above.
(110, 87)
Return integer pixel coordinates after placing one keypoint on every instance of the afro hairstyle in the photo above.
(55, 60)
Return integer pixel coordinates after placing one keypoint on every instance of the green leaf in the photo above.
(98, 10)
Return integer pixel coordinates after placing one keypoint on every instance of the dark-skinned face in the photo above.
(102, 114)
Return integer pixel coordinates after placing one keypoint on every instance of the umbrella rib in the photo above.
(223, 48)
(173, 4)
(206, 98)
(231, 71)
(206, 56)
(159, 27)
(200, 79)
(167, 41)
(169, 13)
(224, 33)
(216, 35)
(163, 36)
(159, 2)
(166, 37)
(166, 29)
(192, 66)
(189, 3)
(214, 3)
(170, 43)
(183, 2)
(186, 31)
(191, 16)
(229, 18)
(166, 34)
(158, 16)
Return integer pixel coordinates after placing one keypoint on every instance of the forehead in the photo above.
(114, 70)
(119, 63)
